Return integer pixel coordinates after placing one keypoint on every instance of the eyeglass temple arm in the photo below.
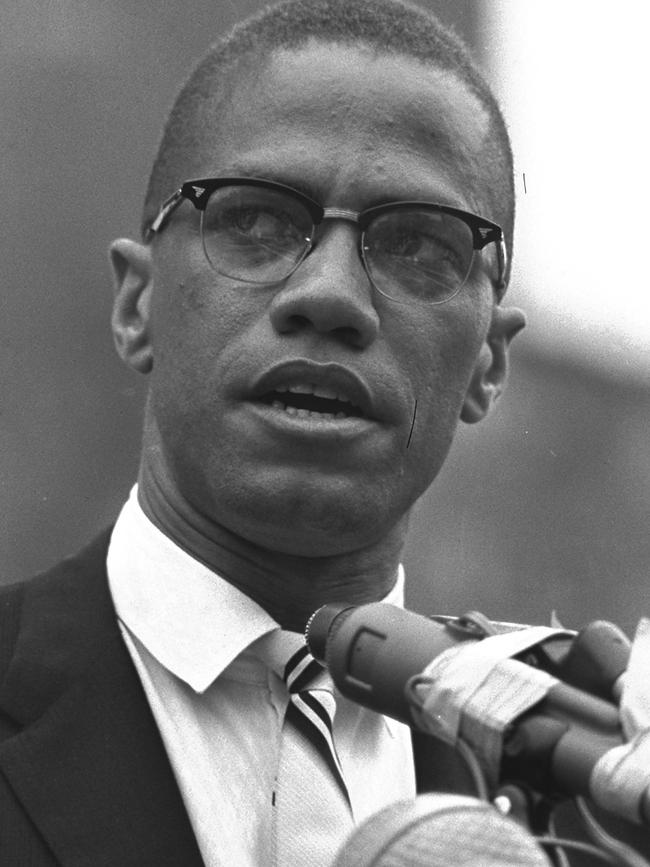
(166, 209)
(502, 255)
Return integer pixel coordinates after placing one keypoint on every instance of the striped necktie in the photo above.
(312, 815)
(311, 710)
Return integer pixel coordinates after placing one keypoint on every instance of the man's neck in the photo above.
(289, 587)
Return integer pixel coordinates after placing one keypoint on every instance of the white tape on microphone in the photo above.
(475, 690)
(635, 701)
(620, 781)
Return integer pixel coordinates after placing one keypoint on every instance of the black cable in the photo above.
(587, 848)
(626, 855)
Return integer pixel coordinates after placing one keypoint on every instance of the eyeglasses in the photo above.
(259, 231)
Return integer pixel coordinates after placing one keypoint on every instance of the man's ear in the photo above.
(131, 319)
(491, 368)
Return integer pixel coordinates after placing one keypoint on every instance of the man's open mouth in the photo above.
(305, 401)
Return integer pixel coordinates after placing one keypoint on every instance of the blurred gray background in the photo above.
(545, 506)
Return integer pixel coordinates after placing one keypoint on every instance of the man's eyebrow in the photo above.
(299, 184)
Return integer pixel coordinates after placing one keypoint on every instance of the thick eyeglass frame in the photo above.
(198, 192)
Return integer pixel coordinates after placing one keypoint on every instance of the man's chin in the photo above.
(301, 510)
(320, 528)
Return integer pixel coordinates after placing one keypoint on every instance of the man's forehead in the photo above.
(335, 98)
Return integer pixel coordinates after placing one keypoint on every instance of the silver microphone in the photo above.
(441, 830)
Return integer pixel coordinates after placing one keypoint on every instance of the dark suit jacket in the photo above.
(84, 777)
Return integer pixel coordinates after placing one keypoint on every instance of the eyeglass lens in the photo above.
(260, 235)
(255, 234)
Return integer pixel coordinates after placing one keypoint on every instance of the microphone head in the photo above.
(319, 627)
(441, 830)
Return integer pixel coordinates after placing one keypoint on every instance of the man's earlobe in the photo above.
(131, 319)
(491, 369)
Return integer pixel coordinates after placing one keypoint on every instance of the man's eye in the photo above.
(403, 244)
(256, 223)
(249, 220)
(419, 247)
(243, 219)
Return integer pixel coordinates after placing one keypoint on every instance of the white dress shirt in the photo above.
(198, 646)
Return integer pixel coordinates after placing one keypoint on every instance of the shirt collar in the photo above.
(193, 621)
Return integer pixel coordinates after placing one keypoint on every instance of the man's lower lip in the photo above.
(313, 423)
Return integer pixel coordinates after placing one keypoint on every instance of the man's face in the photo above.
(356, 131)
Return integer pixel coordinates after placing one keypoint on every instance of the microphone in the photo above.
(374, 651)
(437, 830)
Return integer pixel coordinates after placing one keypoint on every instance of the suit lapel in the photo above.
(89, 765)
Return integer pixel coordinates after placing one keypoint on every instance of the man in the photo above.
(317, 301)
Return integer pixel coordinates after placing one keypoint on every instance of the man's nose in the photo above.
(330, 292)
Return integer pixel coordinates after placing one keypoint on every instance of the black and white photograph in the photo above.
(324, 434)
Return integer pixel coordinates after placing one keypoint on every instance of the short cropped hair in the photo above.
(394, 27)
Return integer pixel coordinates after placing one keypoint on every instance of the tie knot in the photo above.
(288, 656)
(301, 670)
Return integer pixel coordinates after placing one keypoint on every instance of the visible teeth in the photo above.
(316, 390)
(305, 413)
(329, 393)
